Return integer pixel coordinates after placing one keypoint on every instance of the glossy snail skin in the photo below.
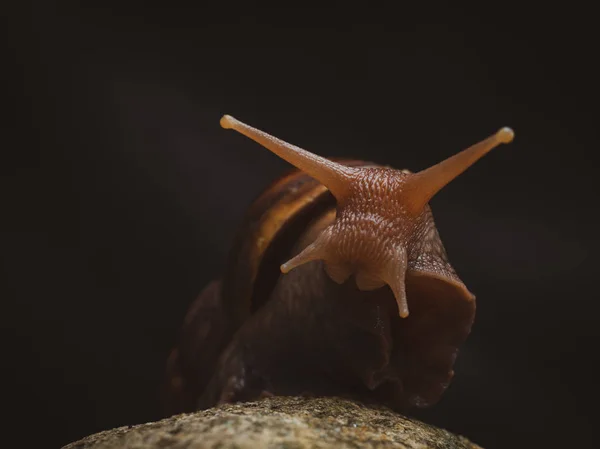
(337, 284)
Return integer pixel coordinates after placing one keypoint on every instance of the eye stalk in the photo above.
(335, 177)
(379, 211)
(422, 186)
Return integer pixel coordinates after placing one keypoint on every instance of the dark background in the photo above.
(121, 193)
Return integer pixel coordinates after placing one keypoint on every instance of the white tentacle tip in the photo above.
(506, 135)
(227, 121)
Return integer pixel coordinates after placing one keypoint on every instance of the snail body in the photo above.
(337, 284)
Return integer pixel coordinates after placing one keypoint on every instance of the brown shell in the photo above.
(397, 361)
(271, 227)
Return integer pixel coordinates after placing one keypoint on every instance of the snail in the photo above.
(337, 284)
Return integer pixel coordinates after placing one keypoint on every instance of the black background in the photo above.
(121, 193)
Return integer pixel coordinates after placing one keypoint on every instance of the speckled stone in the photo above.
(282, 423)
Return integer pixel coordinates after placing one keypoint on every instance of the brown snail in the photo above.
(337, 284)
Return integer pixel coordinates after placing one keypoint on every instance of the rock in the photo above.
(282, 423)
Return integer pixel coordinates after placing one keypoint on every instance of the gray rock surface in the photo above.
(282, 423)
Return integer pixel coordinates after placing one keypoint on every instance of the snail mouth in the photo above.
(390, 270)
(367, 281)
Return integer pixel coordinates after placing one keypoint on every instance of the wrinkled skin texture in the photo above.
(378, 234)
(310, 335)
